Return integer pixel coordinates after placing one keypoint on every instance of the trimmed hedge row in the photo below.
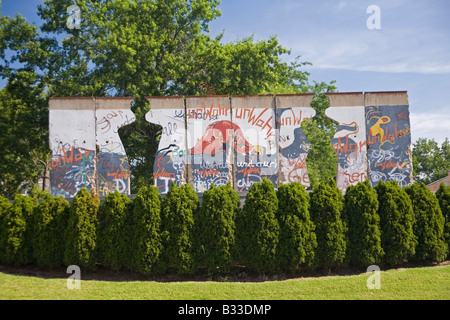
(277, 231)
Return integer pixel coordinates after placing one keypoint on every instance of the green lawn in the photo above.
(416, 283)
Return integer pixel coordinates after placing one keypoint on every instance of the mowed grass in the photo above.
(415, 283)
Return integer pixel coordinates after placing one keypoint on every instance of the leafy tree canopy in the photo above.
(431, 162)
(124, 48)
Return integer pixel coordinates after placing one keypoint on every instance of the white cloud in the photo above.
(405, 43)
(434, 125)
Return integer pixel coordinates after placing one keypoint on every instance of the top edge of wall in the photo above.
(91, 98)
(386, 98)
(294, 100)
(163, 97)
(294, 94)
(345, 99)
(258, 101)
(208, 96)
(77, 103)
(115, 98)
(161, 102)
(252, 95)
(106, 104)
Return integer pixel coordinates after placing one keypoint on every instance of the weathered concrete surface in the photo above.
(255, 141)
(113, 168)
(293, 145)
(222, 139)
(86, 147)
(209, 139)
(72, 143)
(388, 135)
(349, 142)
(171, 157)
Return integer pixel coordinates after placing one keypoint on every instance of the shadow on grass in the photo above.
(239, 274)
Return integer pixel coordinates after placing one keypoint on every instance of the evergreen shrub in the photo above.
(179, 206)
(259, 229)
(50, 224)
(396, 223)
(115, 231)
(216, 229)
(81, 232)
(428, 224)
(17, 230)
(360, 215)
(326, 208)
(147, 244)
(443, 196)
(297, 240)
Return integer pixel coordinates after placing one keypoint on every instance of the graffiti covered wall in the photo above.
(86, 147)
(72, 143)
(293, 145)
(349, 141)
(209, 130)
(170, 160)
(255, 144)
(388, 135)
(113, 169)
(229, 139)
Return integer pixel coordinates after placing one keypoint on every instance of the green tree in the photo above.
(17, 232)
(114, 243)
(429, 224)
(4, 205)
(126, 48)
(216, 229)
(326, 208)
(147, 230)
(297, 244)
(322, 160)
(81, 232)
(50, 223)
(179, 206)
(396, 223)
(360, 214)
(258, 229)
(431, 162)
(443, 196)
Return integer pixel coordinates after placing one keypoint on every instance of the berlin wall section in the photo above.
(171, 157)
(229, 139)
(86, 148)
(293, 145)
(349, 141)
(388, 134)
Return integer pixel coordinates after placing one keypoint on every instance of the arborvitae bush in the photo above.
(259, 229)
(443, 196)
(177, 222)
(428, 225)
(50, 224)
(360, 215)
(81, 232)
(396, 223)
(326, 208)
(147, 222)
(215, 229)
(17, 244)
(4, 205)
(114, 242)
(297, 240)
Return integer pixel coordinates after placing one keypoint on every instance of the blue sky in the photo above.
(411, 50)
